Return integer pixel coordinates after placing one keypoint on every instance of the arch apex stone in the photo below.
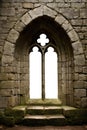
(49, 12)
(37, 12)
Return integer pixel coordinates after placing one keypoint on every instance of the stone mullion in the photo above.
(43, 76)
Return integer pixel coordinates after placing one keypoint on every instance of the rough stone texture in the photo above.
(80, 93)
(71, 16)
(26, 19)
(28, 5)
(13, 36)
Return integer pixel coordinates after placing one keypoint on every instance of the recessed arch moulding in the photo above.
(24, 34)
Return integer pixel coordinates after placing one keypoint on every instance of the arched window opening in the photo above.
(51, 74)
(35, 73)
(43, 70)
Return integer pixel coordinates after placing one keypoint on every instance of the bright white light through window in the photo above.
(51, 82)
(35, 74)
(43, 40)
(50, 71)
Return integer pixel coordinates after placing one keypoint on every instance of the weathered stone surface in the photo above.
(83, 13)
(36, 12)
(84, 102)
(70, 13)
(3, 102)
(77, 48)
(60, 1)
(9, 84)
(60, 19)
(82, 77)
(30, 1)
(46, 1)
(79, 84)
(79, 60)
(7, 60)
(9, 48)
(85, 70)
(3, 76)
(66, 25)
(71, 18)
(80, 92)
(26, 19)
(28, 5)
(13, 36)
(8, 11)
(77, 5)
(73, 36)
(49, 12)
(19, 26)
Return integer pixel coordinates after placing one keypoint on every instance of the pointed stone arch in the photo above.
(21, 24)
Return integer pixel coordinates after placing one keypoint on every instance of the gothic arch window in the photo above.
(43, 69)
(57, 43)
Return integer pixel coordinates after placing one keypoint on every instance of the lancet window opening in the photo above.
(43, 62)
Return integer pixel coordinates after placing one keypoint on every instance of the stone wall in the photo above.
(14, 16)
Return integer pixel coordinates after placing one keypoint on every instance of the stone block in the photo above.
(82, 77)
(59, 1)
(36, 12)
(73, 36)
(26, 19)
(49, 12)
(76, 22)
(19, 26)
(7, 84)
(80, 93)
(79, 60)
(5, 92)
(3, 102)
(79, 84)
(3, 76)
(66, 25)
(70, 13)
(52, 5)
(7, 59)
(28, 5)
(13, 36)
(8, 11)
(77, 47)
(77, 5)
(47, 1)
(84, 102)
(30, 1)
(83, 13)
(85, 70)
(9, 48)
(60, 19)
(76, 1)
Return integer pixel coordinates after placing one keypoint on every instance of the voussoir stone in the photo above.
(9, 46)
(13, 36)
(60, 19)
(73, 36)
(49, 12)
(26, 19)
(36, 12)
